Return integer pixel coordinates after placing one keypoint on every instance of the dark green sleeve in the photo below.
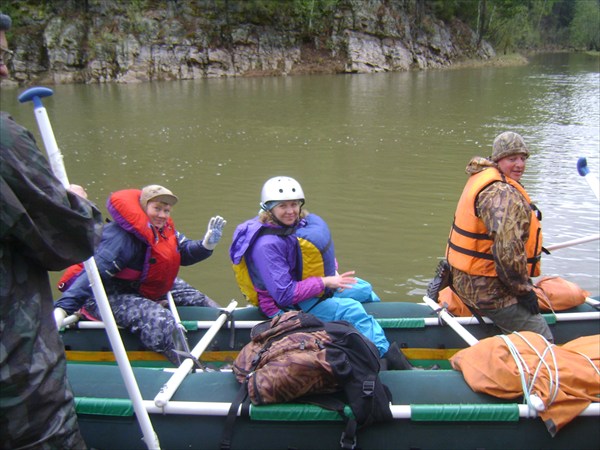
(39, 217)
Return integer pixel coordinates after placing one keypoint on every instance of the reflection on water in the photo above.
(381, 157)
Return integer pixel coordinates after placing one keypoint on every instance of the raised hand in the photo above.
(214, 232)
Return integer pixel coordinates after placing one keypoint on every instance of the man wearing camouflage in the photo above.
(496, 241)
(42, 227)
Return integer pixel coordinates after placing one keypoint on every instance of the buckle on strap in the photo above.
(348, 439)
(347, 443)
(231, 320)
(368, 388)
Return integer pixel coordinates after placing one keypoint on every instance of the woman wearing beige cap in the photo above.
(139, 258)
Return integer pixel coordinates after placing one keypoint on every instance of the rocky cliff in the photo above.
(109, 41)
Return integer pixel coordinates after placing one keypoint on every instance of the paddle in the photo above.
(584, 171)
(170, 387)
(58, 168)
(572, 242)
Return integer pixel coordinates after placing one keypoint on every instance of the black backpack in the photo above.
(351, 369)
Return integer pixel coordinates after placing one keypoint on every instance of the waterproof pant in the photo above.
(517, 318)
(36, 402)
(152, 320)
(350, 310)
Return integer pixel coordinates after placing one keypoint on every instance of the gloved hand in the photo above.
(530, 302)
(59, 316)
(214, 232)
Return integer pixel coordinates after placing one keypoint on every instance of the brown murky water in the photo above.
(381, 157)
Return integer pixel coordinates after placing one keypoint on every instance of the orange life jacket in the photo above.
(162, 260)
(469, 245)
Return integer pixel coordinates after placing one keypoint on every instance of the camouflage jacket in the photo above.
(41, 222)
(42, 227)
(506, 215)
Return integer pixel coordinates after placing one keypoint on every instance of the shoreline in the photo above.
(327, 66)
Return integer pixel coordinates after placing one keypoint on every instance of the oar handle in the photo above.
(55, 158)
(582, 167)
(35, 94)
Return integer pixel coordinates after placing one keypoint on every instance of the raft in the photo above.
(415, 327)
(432, 410)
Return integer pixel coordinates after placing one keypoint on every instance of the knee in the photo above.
(157, 333)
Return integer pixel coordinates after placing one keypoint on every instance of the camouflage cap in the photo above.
(508, 143)
(157, 193)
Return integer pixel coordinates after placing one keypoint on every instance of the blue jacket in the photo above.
(119, 249)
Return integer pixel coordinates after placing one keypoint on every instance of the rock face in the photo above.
(109, 42)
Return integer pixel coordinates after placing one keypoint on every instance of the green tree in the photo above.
(508, 24)
(585, 27)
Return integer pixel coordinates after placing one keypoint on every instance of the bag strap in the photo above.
(348, 438)
(240, 399)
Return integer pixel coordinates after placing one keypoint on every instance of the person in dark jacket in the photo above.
(138, 259)
(43, 227)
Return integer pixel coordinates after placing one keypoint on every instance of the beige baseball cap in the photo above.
(156, 193)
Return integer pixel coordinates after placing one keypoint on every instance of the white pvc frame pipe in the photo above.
(170, 387)
(398, 411)
(451, 321)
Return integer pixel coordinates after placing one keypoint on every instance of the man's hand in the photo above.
(59, 316)
(530, 302)
(76, 189)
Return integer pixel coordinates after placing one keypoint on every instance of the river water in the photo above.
(381, 157)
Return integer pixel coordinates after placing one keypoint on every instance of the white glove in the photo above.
(214, 232)
(59, 316)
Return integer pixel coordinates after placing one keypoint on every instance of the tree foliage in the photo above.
(510, 24)
(585, 27)
(507, 24)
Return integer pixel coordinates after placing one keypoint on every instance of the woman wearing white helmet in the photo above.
(284, 259)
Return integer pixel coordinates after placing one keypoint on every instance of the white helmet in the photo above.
(278, 189)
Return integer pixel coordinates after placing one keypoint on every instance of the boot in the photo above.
(395, 359)
(174, 358)
(440, 281)
(182, 350)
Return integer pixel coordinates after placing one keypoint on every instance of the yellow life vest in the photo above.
(469, 246)
(317, 254)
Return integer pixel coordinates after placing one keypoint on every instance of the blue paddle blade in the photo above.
(582, 167)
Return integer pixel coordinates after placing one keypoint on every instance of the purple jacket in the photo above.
(273, 265)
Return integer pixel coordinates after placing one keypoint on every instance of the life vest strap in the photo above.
(471, 253)
(286, 231)
(480, 236)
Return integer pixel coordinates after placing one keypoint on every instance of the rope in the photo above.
(587, 358)
(531, 399)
